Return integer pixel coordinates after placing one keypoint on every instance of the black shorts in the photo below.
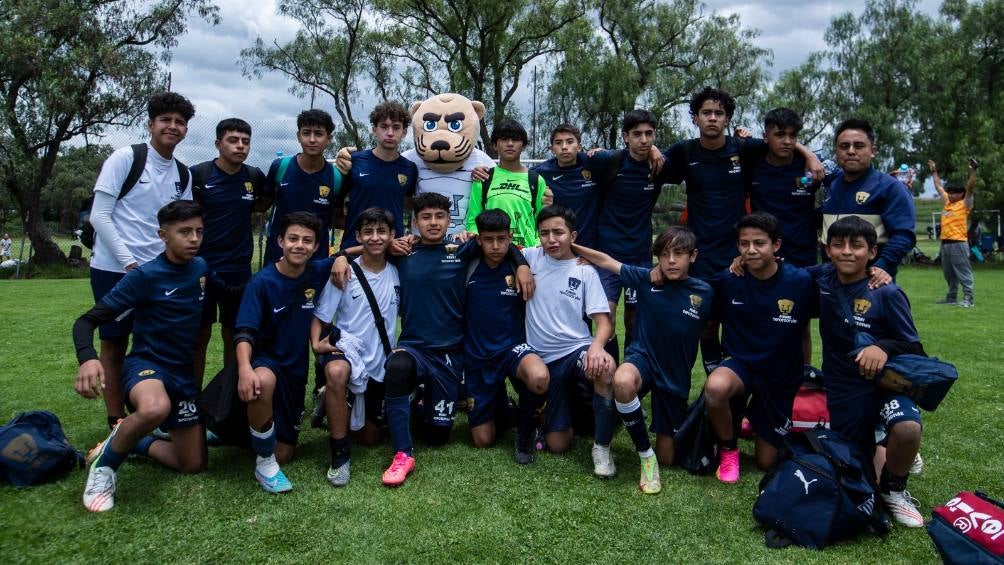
(226, 304)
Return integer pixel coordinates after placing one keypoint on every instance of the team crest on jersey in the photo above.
(573, 286)
(402, 179)
(397, 294)
(324, 191)
(736, 167)
(248, 187)
(202, 283)
(451, 253)
(587, 174)
(308, 295)
(178, 190)
(510, 281)
(861, 197)
(695, 304)
(861, 306)
(695, 301)
(146, 372)
(451, 248)
(785, 307)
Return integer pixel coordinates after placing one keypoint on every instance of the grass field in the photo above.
(461, 504)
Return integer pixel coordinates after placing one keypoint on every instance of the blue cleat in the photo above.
(277, 483)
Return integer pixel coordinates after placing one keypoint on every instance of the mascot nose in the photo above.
(440, 145)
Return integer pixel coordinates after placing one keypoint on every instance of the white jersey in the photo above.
(565, 291)
(134, 217)
(353, 315)
(456, 186)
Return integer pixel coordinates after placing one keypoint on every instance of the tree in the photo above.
(70, 68)
(72, 182)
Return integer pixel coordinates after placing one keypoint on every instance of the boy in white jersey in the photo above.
(556, 329)
(124, 216)
(354, 355)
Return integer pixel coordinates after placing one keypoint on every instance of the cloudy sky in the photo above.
(205, 66)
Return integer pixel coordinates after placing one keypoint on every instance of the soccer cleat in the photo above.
(402, 466)
(523, 452)
(317, 413)
(99, 492)
(918, 465)
(649, 482)
(903, 508)
(277, 483)
(603, 462)
(160, 434)
(966, 303)
(947, 301)
(339, 477)
(728, 466)
(213, 440)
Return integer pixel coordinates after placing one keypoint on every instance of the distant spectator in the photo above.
(954, 242)
(5, 244)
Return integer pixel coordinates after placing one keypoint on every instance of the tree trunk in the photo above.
(46, 250)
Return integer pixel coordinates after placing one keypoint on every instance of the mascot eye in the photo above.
(455, 126)
(429, 125)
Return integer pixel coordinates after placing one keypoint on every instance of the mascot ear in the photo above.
(414, 108)
(479, 108)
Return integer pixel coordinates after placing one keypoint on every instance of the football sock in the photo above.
(529, 405)
(398, 413)
(603, 410)
(634, 423)
(889, 482)
(112, 420)
(111, 458)
(143, 446)
(613, 348)
(340, 451)
(728, 444)
(263, 442)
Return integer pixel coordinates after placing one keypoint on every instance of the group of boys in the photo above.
(508, 293)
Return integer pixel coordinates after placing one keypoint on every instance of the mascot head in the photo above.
(446, 129)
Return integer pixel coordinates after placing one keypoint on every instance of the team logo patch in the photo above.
(586, 174)
(573, 283)
(248, 187)
(695, 301)
(402, 179)
(22, 449)
(146, 372)
(861, 197)
(510, 281)
(451, 248)
(861, 306)
(324, 191)
(202, 283)
(785, 306)
(735, 160)
(308, 294)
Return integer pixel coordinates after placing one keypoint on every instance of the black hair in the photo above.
(855, 123)
(549, 212)
(954, 187)
(493, 219)
(179, 211)
(305, 219)
(782, 119)
(430, 200)
(635, 118)
(567, 128)
(726, 100)
(509, 129)
(372, 216)
(393, 110)
(317, 118)
(761, 221)
(675, 237)
(850, 227)
(232, 124)
(166, 102)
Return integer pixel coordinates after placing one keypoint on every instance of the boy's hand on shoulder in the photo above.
(548, 199)
(524, 282)
(736, 268)
(463, 236)
(401, 246)
(340, 272)
(90, 379)
(343, 160)
(871, 360)
(480, 173)
(877, 276)
(655, 160)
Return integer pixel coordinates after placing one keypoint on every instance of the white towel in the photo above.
(353, 347)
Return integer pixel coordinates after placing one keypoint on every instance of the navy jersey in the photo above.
(671, 319)
(432, 294)
(882, 201)
(282, 335)
(575, 188)
(763, 321)
(494, 313)
(777, 190)
(228, 201)
(373, 182)
(884, 313)
(625, 228)
(299, 191)
(716, 190)
(166, 299)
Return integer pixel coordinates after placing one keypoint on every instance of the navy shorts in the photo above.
(442, 373)
(857, 409)
(178, 382)
(569, 394)
(226, 304)
(767, 408)
(287, 401)
(486, 384)
(896, 408)
(668, 410)
(612, 282)
(102, 283)
(705, 267)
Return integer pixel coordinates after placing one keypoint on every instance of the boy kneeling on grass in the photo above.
(166, 295)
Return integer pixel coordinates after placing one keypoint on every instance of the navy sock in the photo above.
(529, 406)
(603, 411)
(398, 413)
(634, 422)
(263, 442)
(728, 444)
(889, 482)
(109, 457)
(143, 446)
(340, 451)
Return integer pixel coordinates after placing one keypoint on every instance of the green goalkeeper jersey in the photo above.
(509, 192)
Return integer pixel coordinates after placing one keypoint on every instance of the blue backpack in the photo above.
(818, 494)
(33, 449)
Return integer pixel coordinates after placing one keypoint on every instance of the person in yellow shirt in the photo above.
(954, 240)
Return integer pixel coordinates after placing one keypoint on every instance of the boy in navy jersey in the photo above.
(166, 297)
(430, 348)
(671, 318)
(273, 327)
(229, 192)
(574, 187)
(495, 341)
(305, 182)
(381, 177)
(883, 316)
(764, 316)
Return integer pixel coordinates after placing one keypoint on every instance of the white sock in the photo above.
(267, 466)
(647, 453)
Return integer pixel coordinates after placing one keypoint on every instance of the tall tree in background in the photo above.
(70, 68)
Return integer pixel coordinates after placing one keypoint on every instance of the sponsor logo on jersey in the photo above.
(147, 372)
(402, 179)
(861, 197)
(785, 307)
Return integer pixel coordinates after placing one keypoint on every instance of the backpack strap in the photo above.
(183, 175)
(139, 152)
(533, 178)
(255, 175)
(746, 164)
(200, 173)
(471, 267)
(377, 316)
(485, 186)
(280, 175)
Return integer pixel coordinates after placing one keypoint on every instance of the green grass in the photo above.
(461, 504)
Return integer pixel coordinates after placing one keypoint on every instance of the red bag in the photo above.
(969, 529)
(809, 409)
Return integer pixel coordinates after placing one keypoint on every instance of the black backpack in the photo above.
(139, 152)
(33, 449)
